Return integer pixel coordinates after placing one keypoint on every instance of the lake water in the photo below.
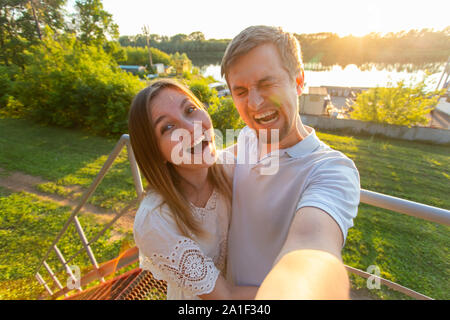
(352, 76)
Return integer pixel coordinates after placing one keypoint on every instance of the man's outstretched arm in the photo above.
(309, 265)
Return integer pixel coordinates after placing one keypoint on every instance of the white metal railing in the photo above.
(411, 208)
(123, 141)
(407, 207)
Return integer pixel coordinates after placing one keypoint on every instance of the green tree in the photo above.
(92, 23)
(22, 23)
(178, 38)
(139, 56)
(115, 50)
(202, 91)
(9, 107)
(224, 115)
(418, 47)
(196, 36)
(400, 105)
(75, 85)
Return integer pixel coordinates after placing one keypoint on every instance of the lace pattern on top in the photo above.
(201, 213)
(187, 267)
(210, 206)
(220, 259)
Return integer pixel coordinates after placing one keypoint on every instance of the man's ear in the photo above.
(300, 81)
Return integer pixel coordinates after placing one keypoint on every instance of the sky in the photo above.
(225, 19)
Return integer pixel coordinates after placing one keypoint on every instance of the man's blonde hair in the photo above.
(254, 36)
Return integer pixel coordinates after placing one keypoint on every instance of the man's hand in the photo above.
(306, 275)
(309, 265)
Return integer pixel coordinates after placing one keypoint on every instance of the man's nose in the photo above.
(255, 100)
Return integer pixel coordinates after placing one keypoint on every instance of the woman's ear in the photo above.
(300, 81)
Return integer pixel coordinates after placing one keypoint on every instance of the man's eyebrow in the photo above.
(234, 88)
(265, 79)
(268, 78)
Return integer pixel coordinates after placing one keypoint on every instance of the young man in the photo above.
(288, 225)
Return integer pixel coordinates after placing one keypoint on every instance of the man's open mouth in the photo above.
(266, 117)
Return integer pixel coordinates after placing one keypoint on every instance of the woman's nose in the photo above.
(194, 128)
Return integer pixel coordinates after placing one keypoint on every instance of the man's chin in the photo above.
(271, 135)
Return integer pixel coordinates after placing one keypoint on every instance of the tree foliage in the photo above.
(202, 91)
(92, 23)
(75, 85)
(414, 46)
(9, 106)
(399, 105)
(224, 115)
(139, 56)
(22, 23)
(194, 45)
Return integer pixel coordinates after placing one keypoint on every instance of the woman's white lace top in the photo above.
(189, 265)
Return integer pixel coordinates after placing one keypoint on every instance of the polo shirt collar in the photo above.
(310, 143)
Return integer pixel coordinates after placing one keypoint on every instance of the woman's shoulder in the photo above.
(153, 211)
(152, 199)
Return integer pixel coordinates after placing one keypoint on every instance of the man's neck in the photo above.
(296, 134)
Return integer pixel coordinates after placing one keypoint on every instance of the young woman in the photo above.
(182, 223)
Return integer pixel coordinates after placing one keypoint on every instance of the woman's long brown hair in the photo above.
(160, 175)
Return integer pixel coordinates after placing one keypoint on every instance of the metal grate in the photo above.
(136, 284)
(145, 287)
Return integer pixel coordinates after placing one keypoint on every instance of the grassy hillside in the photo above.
(407, 250)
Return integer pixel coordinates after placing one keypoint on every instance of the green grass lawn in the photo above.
(28, 227)
(65, 158)
(407, 250)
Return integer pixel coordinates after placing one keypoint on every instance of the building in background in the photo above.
(314, 100)
(133, 69)
(159, 68)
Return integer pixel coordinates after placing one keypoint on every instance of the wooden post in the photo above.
(146, 31)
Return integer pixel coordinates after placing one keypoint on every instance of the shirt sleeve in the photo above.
(169, 255)
(334, 188)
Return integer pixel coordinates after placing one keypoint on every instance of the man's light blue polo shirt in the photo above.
(310, 174)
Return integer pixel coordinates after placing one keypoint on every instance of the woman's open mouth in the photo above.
(199, 145)
(266, 117)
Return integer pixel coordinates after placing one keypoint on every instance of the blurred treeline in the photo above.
(414, 46)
